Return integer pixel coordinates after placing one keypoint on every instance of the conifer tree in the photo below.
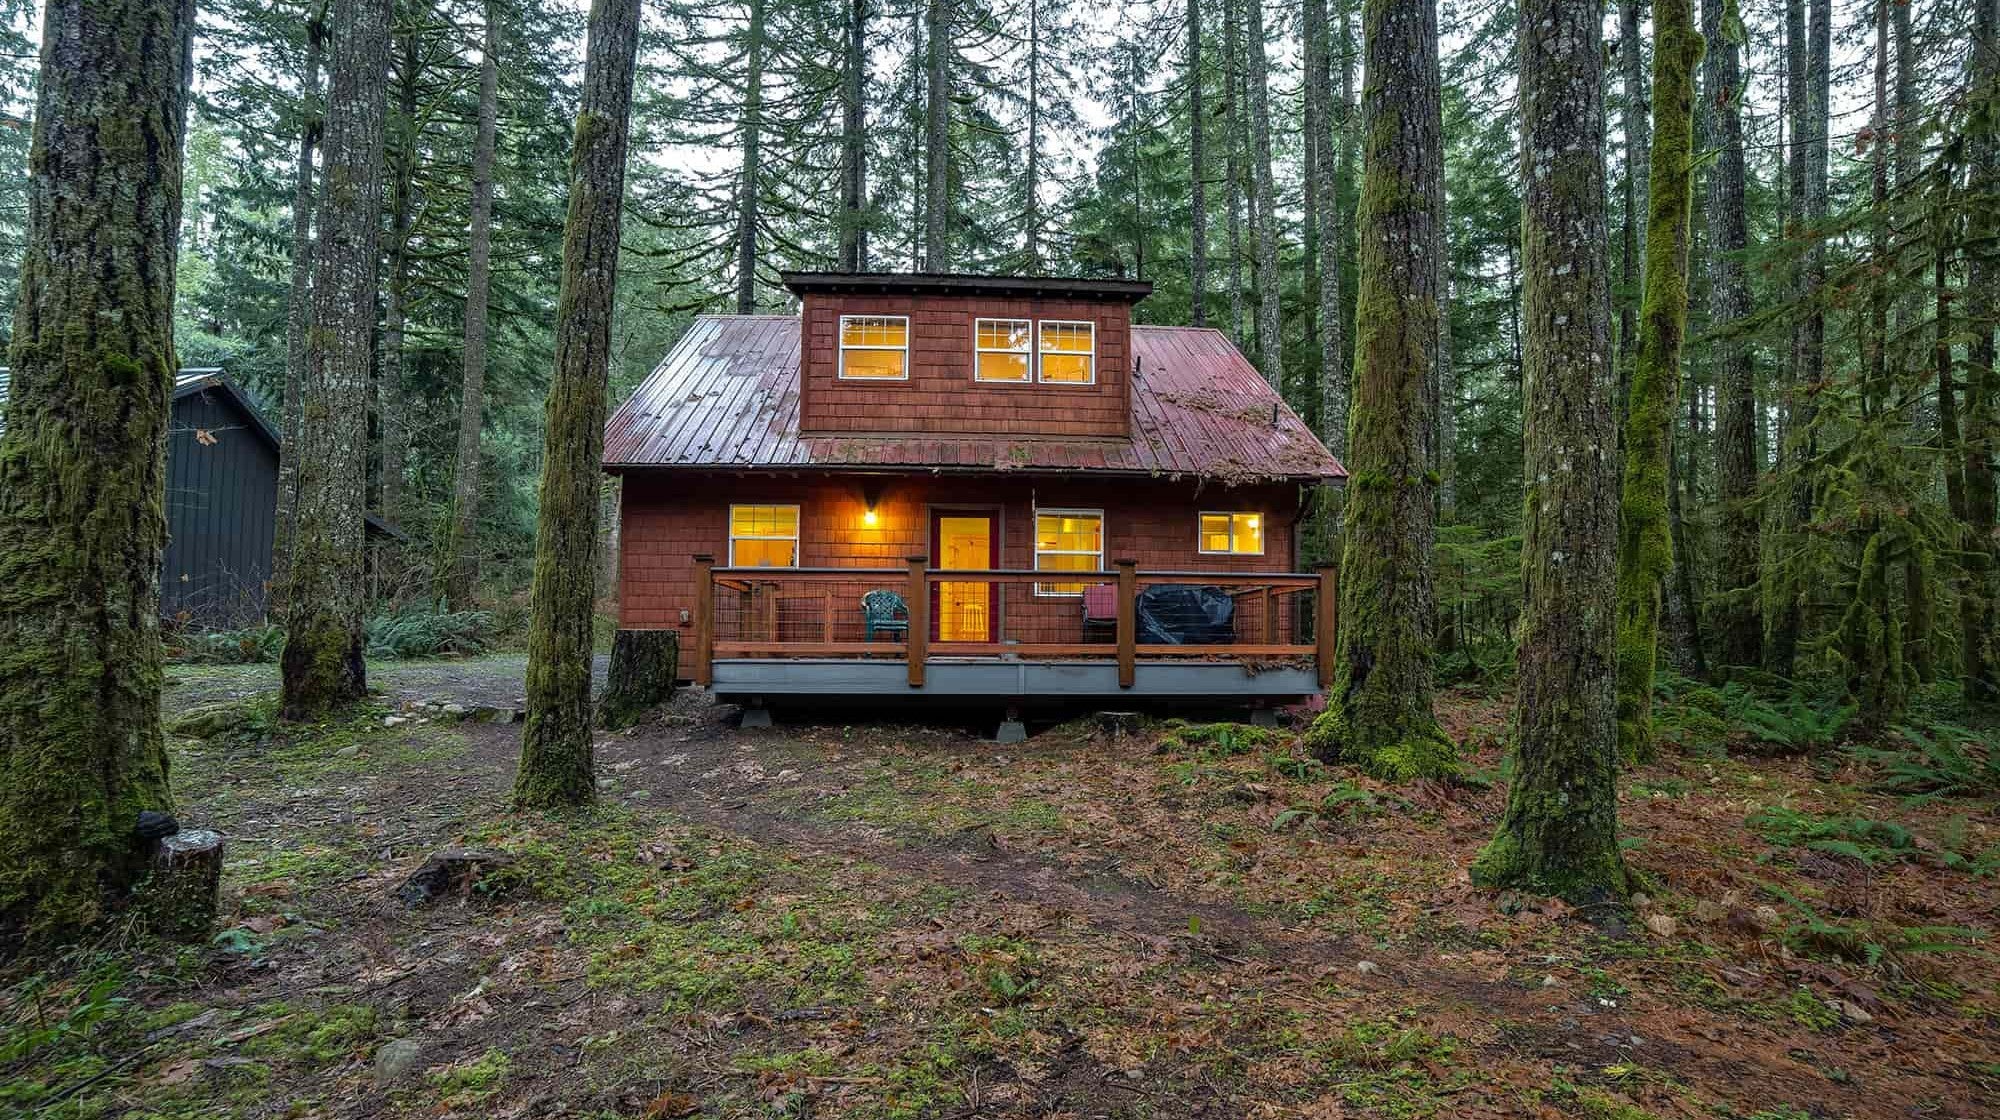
(1379, 713)
(1739, 621)
(1559, 832)
(556, 757)
(461, 569)
(1645, 550)
(82, 463)
(322, 663)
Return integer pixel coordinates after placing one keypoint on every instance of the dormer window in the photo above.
(874, 347)
(1000, 349)
(1067, 352)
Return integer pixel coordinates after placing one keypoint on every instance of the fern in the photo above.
(1942, 760)
(408, 634)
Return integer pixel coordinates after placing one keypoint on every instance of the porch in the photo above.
(1009, 634)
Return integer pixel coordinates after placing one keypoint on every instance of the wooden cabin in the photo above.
(970, 486)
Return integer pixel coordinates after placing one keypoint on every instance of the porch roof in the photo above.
(727, 397)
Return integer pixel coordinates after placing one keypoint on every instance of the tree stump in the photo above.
(186, 888)
(644, 664)
(455, 871)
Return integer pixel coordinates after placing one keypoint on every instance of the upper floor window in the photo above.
(1000, 349)
(1232, 534)
(875, 347)
(763, 536)
(1067, 352)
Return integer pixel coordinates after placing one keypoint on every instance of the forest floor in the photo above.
(889, 920)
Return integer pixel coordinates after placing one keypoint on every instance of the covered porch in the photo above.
(1011, 635)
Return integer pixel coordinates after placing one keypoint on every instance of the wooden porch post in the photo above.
(919, 598)
(1128, 621)
(1326, 624)
(704, 619)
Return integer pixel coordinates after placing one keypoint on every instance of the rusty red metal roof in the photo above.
(727, 396)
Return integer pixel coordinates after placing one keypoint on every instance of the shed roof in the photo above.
(727, 396)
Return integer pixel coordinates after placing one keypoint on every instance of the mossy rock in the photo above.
(212, 720)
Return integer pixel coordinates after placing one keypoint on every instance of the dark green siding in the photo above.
(222, 494)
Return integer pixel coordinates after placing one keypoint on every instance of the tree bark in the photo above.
(322, 663)
(1638, 164)
(1323, 195)
(1739, 622)
(1232, 167)
(406, 74)
(298, 302)
(749, 181)
(1559, 832)
(854, 141)
(1197, 175)
(1379, 713)
(644, 665)
(1032, 189)
(1979, 421)
(83, 463)
(462, 569)
(1645, 546)
(937, 132)
(556, 760)
(1264, 215)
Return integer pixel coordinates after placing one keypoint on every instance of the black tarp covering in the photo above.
(1178, 614)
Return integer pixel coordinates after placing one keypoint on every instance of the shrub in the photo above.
(406, 634)
(251, 645)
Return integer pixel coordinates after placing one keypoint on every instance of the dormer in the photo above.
(924, 353)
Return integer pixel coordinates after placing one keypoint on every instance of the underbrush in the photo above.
(399, 635)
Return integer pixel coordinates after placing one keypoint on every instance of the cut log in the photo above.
(457, 871)
(185, 891)
(644, 664)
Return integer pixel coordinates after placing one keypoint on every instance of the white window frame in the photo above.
(1088, 324)
(798, 520)
(840, 342)
(1103, 538)
(1200, 538)
(1027, 351)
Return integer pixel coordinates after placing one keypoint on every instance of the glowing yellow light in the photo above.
(868, 518)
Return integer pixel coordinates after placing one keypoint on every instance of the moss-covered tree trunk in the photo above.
(854, 139)
(555, 745)
(749, 179)
(1232, 170)
(1739, 623)
(1645, 546)
(937, 135)
(1323, 193)
(322, 665)
(407, 71)
(1979, 417)
(83, 463)
(1263, 209)
(298, 301)
(1197, 173)
(462, 567)
(1559, 833)
(1378, 713)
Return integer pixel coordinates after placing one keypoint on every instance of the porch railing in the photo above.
(915, 614)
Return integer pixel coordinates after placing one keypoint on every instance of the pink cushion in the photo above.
(1100, 601)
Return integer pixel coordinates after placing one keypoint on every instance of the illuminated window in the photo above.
(875, 347)
(1067, 352)
(1068, 540)
(763, 536)
(1000, 349)
(1233, 534)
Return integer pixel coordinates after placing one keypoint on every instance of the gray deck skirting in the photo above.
(973, 677)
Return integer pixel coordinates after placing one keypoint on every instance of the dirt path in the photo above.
(492, 679)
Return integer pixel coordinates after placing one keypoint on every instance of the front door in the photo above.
(963, 610)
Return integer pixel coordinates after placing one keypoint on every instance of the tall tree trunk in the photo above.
(854, 141)
(1232, 165)
(406, 75)
(1738, 620)
(322, 665)
(556, 758)
(1379, 713)
(1197, 175)
(1032, 189)
(937, 133)
(1559, 832)
(1264, 215)
(298, 301)
(1645, 546)
(1322, 192)
(749, 182)
(83, 463)
(462, 571)
(1979, 422)
(1638, 164)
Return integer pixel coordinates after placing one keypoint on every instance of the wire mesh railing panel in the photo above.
(854, 614)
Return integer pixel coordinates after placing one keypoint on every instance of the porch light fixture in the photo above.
(868, 517)
(871, 495)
